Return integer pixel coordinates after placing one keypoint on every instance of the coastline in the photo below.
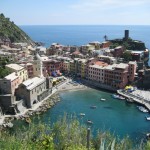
(50, 100)
(43, 105)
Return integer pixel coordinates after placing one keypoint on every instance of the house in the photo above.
(19, 70)
(31, 90)
(9, 83)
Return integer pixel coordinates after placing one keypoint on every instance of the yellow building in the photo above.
(82, 68)
(72, 67)
(20, 71)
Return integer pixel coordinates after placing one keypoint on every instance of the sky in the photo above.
(77, 12)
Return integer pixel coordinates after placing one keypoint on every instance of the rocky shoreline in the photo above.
(45, 105)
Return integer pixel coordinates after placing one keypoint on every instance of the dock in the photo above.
(135, 98)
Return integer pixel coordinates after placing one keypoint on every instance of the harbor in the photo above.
(138, 96)
(112, 115)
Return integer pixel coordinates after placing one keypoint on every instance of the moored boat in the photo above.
(103, 99)
(148, 118)
(121, 97)
(93, 107)
(28, 120)
(130, 100)
(89, 122)
(82, 114)
(142, 109)
(115, 96)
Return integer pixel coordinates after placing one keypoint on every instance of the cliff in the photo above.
(10, 31)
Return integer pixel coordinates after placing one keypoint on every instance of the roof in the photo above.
(121, 65)
(32, 83)
(132, 62)
(76, 52)
(137, 52)
(96, 66)
(15, 67)
(29, 64)
(11, 76)
(101, 63)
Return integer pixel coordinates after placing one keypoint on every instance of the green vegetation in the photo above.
(9, 30)
(127, 56)
(65, 134)
(4, 71)
(129, 44)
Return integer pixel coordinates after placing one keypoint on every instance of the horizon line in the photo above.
(80, 25)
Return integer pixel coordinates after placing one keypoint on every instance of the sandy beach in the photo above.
(72, 85)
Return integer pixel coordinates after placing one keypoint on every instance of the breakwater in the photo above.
(135, 98)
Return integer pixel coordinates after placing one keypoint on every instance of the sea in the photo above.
(83, 34)
(117, 116)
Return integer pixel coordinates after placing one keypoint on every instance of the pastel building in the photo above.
(81, 68)
(85, 49)
(96, 72)
(9, 83)
(31, 90)
(132, 70)
(20, 71)
(116, 75)
(29, 67)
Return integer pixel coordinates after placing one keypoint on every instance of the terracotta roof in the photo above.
(101, 63)
(76, 53)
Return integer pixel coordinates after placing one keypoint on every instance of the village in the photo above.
(34, 72)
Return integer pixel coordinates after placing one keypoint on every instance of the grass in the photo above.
(66, 134)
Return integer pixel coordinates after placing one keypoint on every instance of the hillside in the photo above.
(11, 31)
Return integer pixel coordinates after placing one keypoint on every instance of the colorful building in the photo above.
(19, 70)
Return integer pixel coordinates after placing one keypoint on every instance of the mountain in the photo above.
(8, 30)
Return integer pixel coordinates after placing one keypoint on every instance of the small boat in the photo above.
(103, 99)
(93, 107)
(89, 122)
(142, 109)
(82, 114)
(148, 118)
(130, 100)
(122, 98)
(115, 96)
(28, 120)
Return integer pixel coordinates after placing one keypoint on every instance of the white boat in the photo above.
(121, 97)
(142, 109)
(82, 114)
(103, 99)
(115, 96)
(148, 118)
(89, 122)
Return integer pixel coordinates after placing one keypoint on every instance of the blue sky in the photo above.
(77, 12)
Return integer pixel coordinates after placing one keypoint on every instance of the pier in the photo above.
(136, 98)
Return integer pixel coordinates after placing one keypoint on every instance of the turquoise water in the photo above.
(117, 116)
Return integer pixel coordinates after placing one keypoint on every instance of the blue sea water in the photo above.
(114, 115)
(80, 34)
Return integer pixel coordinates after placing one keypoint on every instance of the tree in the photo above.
(127, 56)
(2, 15)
